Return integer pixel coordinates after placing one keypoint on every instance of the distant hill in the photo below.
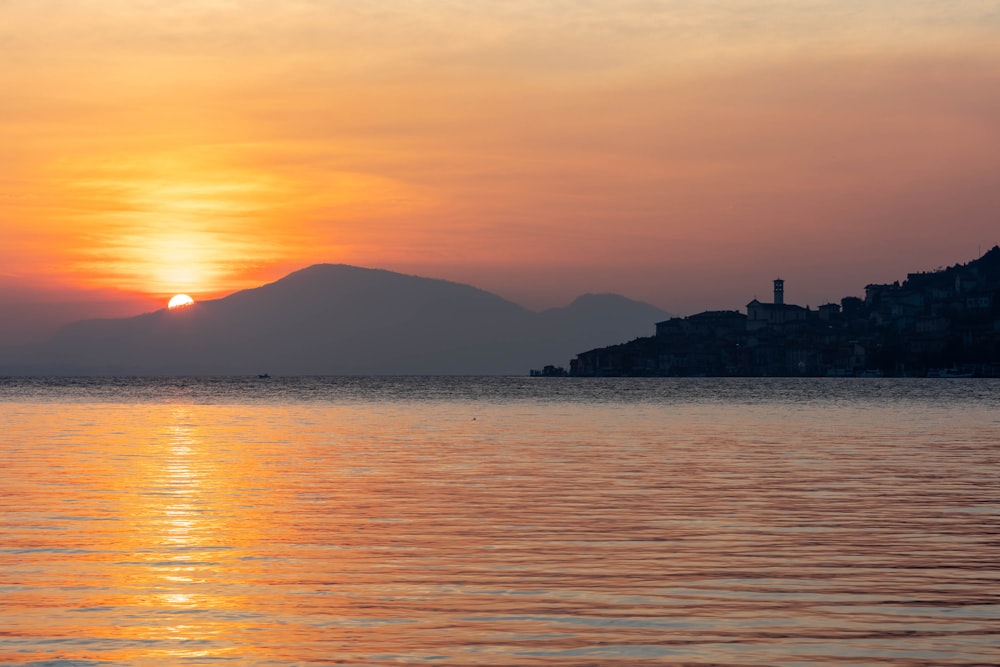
(338, 319)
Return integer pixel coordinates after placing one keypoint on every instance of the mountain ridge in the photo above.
(330, 319)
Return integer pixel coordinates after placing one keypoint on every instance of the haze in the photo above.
(681, 153)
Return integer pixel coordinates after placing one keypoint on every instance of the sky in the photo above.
(679, 152)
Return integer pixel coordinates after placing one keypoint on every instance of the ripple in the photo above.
(372, 522)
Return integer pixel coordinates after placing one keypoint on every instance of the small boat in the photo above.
(264, 376)
(948, 373)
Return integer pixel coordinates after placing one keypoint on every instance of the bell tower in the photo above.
(779, 292)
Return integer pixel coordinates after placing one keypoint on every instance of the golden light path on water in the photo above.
(613, 524)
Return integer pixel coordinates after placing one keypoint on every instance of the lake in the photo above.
(499, 521)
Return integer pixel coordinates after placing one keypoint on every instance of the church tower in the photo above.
(779, 292)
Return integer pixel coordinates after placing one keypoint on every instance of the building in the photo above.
(774, 315)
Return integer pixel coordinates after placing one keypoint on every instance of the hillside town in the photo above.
(944, 323)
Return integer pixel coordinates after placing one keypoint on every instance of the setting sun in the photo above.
(180, 301)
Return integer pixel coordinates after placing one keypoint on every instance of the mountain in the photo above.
(594, 317)
(338, 320)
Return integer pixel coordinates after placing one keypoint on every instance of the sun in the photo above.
(180, 301)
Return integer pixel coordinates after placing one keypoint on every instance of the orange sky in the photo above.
(679, 152)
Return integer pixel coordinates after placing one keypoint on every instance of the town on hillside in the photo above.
(944, 323)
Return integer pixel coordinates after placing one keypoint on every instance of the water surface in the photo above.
(499, 521)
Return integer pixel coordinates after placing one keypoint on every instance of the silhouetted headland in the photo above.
(943, 323)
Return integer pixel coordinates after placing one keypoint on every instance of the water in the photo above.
(485, 521)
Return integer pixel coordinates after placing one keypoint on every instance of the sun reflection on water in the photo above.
(187, 539)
